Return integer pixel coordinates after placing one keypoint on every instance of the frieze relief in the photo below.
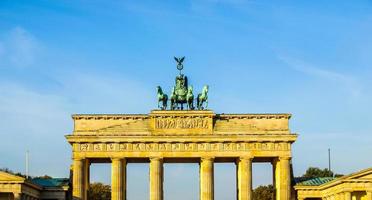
(183, 147)
(182, 123)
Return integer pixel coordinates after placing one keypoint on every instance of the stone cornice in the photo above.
(254, 116)
(289, 138)
(146, 116)
(108, 116)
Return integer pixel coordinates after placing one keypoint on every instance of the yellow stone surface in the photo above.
(356, 186)
(184, 136)
(13, 187)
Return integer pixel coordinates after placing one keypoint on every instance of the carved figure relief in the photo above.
(189, 146)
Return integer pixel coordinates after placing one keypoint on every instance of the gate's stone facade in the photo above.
(182, 136)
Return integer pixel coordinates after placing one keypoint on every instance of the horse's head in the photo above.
(206, 88)
(158, 88)
(190, 90)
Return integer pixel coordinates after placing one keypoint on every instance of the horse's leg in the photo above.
(197, 103)
(206, 103)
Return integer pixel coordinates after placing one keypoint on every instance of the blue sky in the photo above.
(309, 58)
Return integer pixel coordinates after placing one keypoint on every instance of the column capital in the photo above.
(285, 157)
(117, 158)
(77, 159)
(209, 158)
(247, 158)
(156, 158)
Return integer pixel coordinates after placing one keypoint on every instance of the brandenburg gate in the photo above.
(195, 135)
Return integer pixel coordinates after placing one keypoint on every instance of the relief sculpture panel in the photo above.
(184, 146)
(181, 122)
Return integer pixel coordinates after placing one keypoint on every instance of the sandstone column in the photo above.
(17, 196)
(78, 179)
(283, 179)
(118, 179)
(347, 195)
(86, 177)
(276, 178)
(156, 178)
(274, 168)
(244, 176)
(369, 195)
(206, 177)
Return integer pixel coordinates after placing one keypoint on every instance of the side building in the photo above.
(13, 187)
(356, 186)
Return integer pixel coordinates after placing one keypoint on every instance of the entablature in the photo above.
(195, 122)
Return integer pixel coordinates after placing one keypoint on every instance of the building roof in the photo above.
(51, 182)
(9, 177)
(363, 176)
(316, 181)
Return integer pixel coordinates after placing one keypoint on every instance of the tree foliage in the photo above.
(313, 172)
(44, 177)
(99, 191)
(263, 193)
(7, 170)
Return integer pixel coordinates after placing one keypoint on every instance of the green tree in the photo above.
(313, 172)
(44, 177)
(7, 170)
(99, 191)
(263, 192)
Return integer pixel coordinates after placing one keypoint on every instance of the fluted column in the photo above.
(206, 179)
(283, 179)
(156, 178)
(118, 179)
(17, 196)
(273, 163)
(276, 177)
(369, 195)
(86, 177)
(244, 176)
(78, 179)
(347, 195)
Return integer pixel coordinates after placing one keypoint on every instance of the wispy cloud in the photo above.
(38, 119)
(19, 48)
(350, 83)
